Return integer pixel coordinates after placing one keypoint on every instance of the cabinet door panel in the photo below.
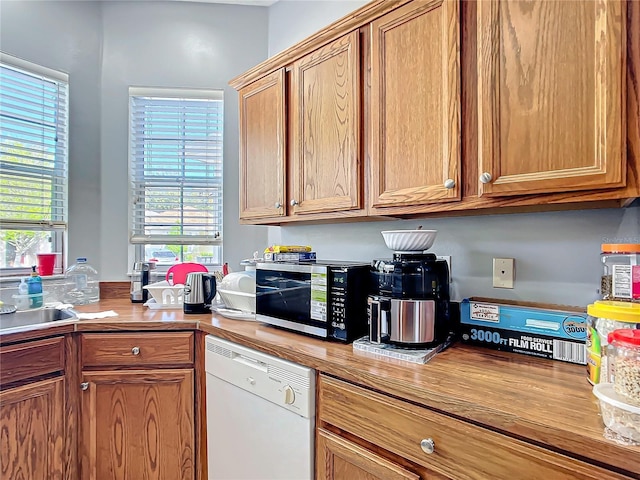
(138, 424)
(551, 82)
(32, 431)
(326, 106)
(263, 147)
(339, 459)
(415, 105)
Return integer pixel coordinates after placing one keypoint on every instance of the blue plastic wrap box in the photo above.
(530, 330)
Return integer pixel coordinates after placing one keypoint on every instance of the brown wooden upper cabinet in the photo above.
(551, 96)
(415, 105)
(326, 165)
(263, 147)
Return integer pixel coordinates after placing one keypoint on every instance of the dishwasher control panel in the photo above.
(282, 382)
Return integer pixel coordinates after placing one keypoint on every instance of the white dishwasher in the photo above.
(260, 415)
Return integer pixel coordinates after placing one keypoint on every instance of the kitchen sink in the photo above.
(26, 318)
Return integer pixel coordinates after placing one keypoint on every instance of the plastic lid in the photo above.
(620, 311)
(621, 248)
(606, 393)
(81, 259)
(629, 336)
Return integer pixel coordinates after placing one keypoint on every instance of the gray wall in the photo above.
(67, 36)
(106, 47)
(557, 254)
(173, 44)
(293, 20)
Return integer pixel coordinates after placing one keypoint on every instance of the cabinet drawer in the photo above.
(134, 349)
(460, 450)
(31, 359)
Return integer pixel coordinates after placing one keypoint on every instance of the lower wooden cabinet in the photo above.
(338, 458)
(138, 424)
(137, 406)
(32, 434)
(425, 443)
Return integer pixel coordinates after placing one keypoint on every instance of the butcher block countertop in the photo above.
(540, 401)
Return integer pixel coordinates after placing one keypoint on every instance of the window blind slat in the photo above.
(33, 146)
(175, 160)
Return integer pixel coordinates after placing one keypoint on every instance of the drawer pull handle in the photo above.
(84, 385)
(449, 183)
(427, 445)
(135, 350)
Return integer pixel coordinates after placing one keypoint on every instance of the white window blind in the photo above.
(175, 162)
(33, 146)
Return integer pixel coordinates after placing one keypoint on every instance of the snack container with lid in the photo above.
(604, 317)
(618, 417)
(623, 356)
(621, 273)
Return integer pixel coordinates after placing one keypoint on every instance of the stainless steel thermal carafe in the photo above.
(402, 321)
(142, 275)
(199, 290)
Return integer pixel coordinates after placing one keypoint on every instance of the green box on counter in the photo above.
(548, 331)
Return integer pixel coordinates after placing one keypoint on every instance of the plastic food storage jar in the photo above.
(623, 356)
(603, 318)
(621, 275)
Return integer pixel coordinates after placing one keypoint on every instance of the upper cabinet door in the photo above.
(551, 95)
(415, 105)
(263, 147)
(326, 162)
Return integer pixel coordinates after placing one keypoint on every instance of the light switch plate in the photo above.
(504, 273)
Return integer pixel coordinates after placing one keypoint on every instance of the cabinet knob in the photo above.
(449, 183)
(278, 205)
(485, 177)
(84, 385)
(427, 445)
(293, 202)
(135, 350)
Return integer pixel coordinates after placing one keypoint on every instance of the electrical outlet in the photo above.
(448, 259)
(504, 273)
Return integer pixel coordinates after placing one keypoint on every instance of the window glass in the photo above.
(175, 173)
(33, 163)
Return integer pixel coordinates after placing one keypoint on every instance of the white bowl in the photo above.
(409, 240)
(165, 294)
(244, 282)
(245, 302)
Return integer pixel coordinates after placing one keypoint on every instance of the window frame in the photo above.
(137, 244)
(57, 227)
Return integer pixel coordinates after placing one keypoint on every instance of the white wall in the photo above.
(557, 254)
(107, 46)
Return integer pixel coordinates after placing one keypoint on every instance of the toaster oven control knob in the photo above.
(427, 445)
(289, 395)
(293, 202)
(449, 183)
(486, 177)
(278, 205)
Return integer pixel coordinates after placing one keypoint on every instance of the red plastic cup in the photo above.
(46, 262)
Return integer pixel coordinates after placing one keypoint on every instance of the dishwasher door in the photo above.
(260, 415)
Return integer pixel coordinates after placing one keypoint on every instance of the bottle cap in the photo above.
(620, 248)
(613, 310)
(81, 259)
(630, 336)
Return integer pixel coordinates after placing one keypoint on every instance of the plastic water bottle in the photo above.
(81, 283)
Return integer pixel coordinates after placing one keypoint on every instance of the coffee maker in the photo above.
(408, 305)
